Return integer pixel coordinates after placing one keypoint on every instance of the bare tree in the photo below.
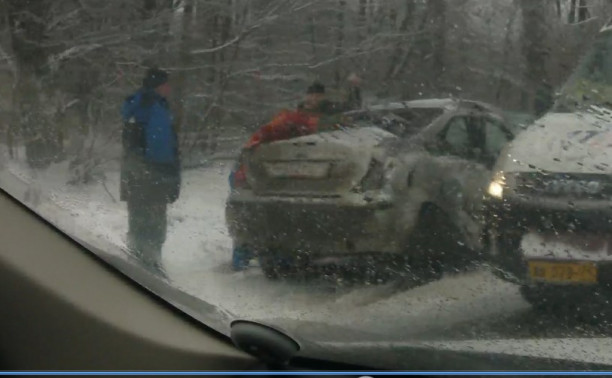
(536, 54)
(27, 20)
(578, 11)
(340, 26)
(236, 62)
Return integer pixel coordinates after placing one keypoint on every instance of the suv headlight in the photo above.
(496, 186)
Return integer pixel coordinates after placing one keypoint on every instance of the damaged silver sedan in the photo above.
(398, 189)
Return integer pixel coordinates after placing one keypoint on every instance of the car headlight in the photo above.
(496, 187)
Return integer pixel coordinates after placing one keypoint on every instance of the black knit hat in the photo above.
(316, 87)
(154, 78)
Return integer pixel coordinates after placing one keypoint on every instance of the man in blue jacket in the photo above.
(150, 169)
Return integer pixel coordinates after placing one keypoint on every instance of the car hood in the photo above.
(578, 142)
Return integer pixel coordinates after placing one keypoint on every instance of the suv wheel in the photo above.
(538, 300)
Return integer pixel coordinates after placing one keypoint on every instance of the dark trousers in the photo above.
(147, 230)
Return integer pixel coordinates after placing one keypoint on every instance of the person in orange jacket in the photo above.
(305, 120)
(314, 114)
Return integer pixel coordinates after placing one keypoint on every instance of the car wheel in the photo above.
(534, 298)
(422, 270)
(543, 301)
(271, 265)
(375, 269)
(433, 245)
(584, 308)
(276, 265)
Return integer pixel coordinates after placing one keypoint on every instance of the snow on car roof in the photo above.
(442, 103)
(433, 103)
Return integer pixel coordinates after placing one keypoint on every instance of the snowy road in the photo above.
(197, 259)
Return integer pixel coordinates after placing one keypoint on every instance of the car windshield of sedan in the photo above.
(202, 148)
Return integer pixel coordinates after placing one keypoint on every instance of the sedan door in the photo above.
(463, 175)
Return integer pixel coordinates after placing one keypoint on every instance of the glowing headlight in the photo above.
(496, 187)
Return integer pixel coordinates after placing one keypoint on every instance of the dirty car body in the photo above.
(551, 210)
(553, 222)
(364, 191)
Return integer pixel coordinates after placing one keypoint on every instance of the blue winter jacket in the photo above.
(151, 110)
(150, 168)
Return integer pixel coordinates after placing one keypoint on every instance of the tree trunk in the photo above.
(437, 13)
(9, 119)
(535, 53)
(571, 16)
(583, 11)
(313, 37)
(362, 19)
(214, 42)
(27, 26)
(370, 16)
(180, 87)
(400, 46)
(226, 30)
(338, 74)
(506, 52)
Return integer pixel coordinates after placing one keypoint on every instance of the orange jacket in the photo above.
(287, 124)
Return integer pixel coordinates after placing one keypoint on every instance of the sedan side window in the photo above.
(496, 137)
(456, 137)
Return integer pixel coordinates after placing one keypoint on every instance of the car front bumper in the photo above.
(511, 219)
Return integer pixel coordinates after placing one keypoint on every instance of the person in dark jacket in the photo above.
(315, 101)
(150, 169)
(353, 98)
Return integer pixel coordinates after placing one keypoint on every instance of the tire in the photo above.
(423, 270)
(546, 301)
(374, 269)
(276, 266)
(583, 308)
(535, 298)
(270, 266)
(435, 238)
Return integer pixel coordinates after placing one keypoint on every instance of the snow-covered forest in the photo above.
(66, 65)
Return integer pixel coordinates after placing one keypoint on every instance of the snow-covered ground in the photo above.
(469, 306)
(197, 257)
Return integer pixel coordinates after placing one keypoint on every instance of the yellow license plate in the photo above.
(563, 272)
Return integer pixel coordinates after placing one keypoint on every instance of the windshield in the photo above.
(383, 181)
